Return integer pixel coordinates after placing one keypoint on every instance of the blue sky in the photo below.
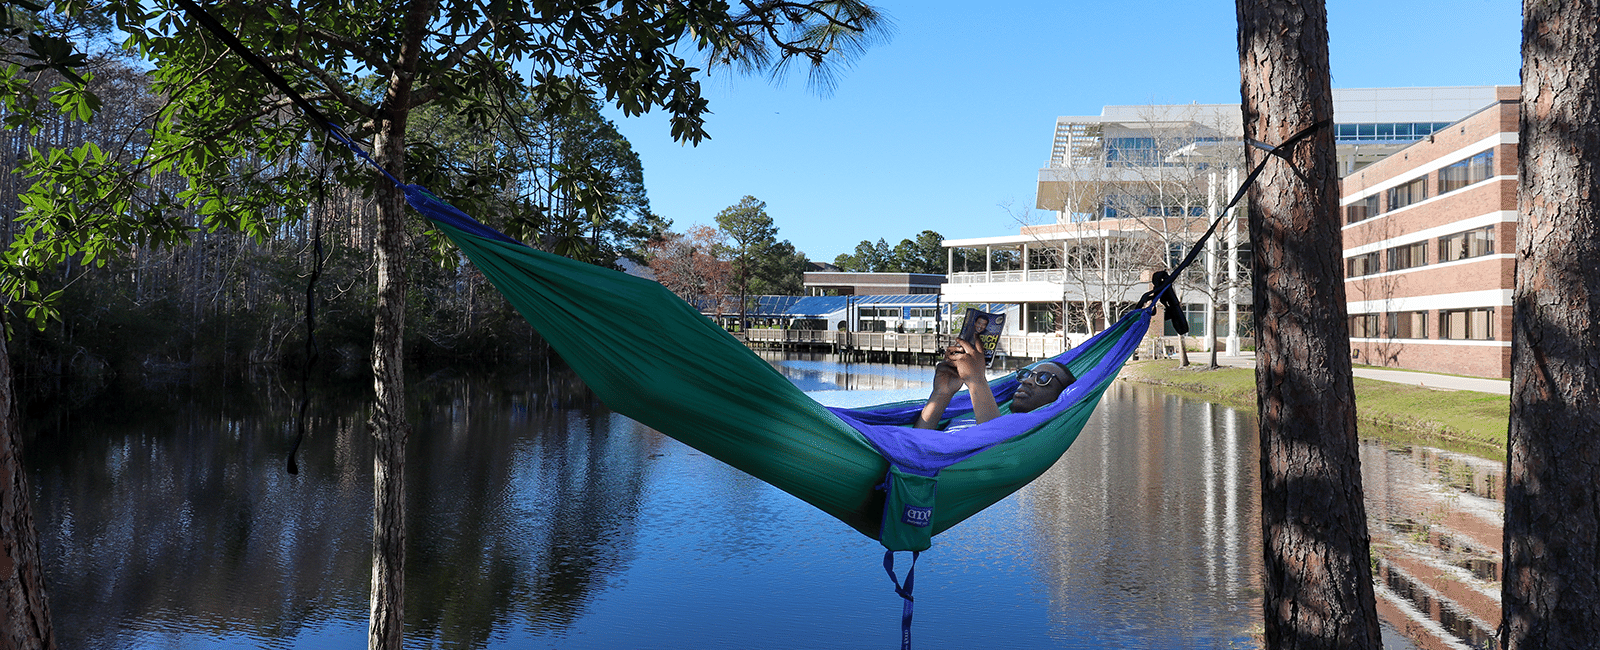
(953, 116)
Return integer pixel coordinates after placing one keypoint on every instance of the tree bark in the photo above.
(26, 623)
(1318, 580)
(389, 425)
(1550, 595)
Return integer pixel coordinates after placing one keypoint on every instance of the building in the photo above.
(1428, 239)
(1130, 191)
(851, 283)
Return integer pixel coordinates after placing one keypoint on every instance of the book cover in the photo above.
(983, 329)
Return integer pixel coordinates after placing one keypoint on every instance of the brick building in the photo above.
(1428, 239)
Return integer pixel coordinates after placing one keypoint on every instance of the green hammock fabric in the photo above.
(650, 356)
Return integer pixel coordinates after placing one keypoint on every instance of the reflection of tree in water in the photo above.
(528, 503)
(180, 516)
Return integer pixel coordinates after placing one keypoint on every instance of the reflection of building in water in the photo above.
(1155, 503)
(1435, 521)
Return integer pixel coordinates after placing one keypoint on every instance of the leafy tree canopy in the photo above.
(925, 254)
(370, 66)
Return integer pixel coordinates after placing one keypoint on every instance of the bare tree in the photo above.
(1318, 582)
(1550, 596)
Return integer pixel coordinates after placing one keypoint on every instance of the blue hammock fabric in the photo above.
(926, 453)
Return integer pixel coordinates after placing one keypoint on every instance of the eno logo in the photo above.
(915, 516)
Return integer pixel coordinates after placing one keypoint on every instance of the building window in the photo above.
(1408, 194)
(1472, 170)
(1363, 326)
(1360, 265)
(1042, 318)
(1408, 256)
(1386, 132)
(1462, 245)
(1362, 210)
(1408, 325)
(1467, 324)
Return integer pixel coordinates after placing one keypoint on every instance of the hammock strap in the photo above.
(905, 592)
(1281, 151)
(232, 42)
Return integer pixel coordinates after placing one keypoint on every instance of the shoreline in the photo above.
(1462, 421)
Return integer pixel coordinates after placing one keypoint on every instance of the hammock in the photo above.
(652, 357)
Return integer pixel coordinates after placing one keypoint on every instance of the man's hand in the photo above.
(968, 361)
(946, 379)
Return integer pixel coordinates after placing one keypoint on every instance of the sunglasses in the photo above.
(1040, 377)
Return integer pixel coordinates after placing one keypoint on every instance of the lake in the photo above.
(539, 519)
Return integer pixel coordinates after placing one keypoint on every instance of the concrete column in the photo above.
(1233, 269)
(1213, 248)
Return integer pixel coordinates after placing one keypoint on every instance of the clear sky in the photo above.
(953, 117)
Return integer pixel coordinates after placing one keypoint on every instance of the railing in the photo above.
(1092, 277)
(1030, 347)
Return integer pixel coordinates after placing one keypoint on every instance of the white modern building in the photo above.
(1130, 191)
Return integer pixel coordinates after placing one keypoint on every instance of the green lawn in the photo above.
(1467, 421)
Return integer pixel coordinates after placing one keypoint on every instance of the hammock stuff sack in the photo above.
(653, 358)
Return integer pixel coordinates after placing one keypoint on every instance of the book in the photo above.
(983, 329)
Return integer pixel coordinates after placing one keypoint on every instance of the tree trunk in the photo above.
(26, 615)
(389, 426)
(1550, 596)
(1318, 581)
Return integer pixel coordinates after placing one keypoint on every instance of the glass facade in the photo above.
(1149, 152)
(1386, 131)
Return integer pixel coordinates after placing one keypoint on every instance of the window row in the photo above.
(1388, 131)
(1474, 169)
(1459, 246)
(1473, 324)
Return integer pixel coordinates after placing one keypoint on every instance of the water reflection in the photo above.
(522, 501)
(1151, 522)
(538, 519)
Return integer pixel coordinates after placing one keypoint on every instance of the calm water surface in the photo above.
(538, 519)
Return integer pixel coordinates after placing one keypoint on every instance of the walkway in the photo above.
(1442, 382)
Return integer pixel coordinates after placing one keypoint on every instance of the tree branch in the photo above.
(450, 61)
(335, 88)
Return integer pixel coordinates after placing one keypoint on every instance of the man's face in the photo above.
(1030, 395)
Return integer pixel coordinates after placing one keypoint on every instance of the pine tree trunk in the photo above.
(1550, 595)
(389, 426)
(26, 615)
(1318, 580)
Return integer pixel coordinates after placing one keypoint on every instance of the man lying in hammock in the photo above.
(1037, 385)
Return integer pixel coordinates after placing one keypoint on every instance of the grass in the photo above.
(1466, 421)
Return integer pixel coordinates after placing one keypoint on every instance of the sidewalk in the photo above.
(1443, 382)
